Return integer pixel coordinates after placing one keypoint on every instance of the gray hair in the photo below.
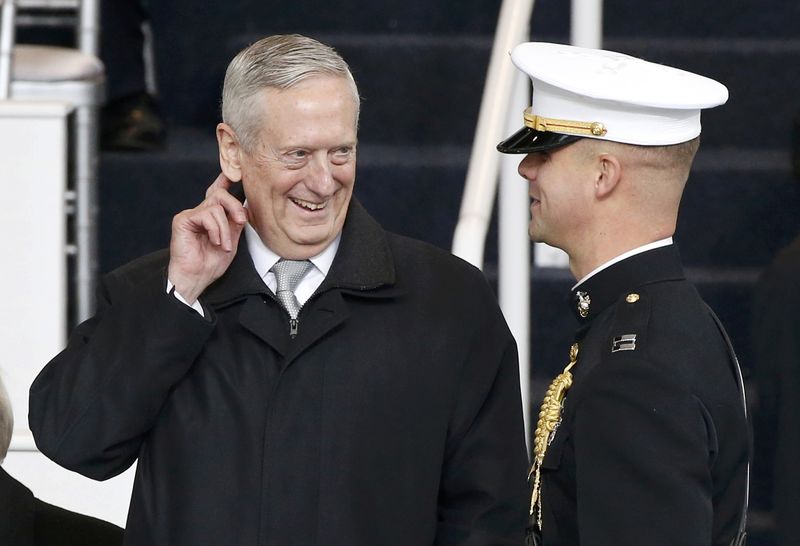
(280, 62)
(6, 422)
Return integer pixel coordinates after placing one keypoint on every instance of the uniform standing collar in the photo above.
(595, 293)
(628, 254)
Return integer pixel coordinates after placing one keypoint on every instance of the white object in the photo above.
(606, 95)
(33, 144)
(33, 152)
(76, 76)
(514, 256)
(469, 239)
(586, 23)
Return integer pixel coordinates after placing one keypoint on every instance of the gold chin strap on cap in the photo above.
(549, 420)
(564, 126)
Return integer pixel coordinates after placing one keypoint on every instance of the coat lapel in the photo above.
(363, 268)
(260, 314)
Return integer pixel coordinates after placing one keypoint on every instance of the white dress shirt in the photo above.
(263, 260)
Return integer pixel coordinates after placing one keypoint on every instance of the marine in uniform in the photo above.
(643, 438)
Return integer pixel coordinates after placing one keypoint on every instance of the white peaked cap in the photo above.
(592, 93)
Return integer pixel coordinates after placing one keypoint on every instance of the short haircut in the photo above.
(677, 158)
(280, 62)
(6, 421)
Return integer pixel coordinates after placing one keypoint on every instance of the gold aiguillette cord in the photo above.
(549, 419)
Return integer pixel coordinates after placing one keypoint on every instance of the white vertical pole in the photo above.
(469, 238)
(514, 246)
(6, 47)
(587, 23)
(89, 27)
(586, 31)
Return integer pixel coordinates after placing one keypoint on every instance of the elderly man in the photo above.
(314, 381)
(643, 438)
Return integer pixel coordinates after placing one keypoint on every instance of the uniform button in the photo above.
(632, 298)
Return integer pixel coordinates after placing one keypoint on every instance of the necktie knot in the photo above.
(288, 274)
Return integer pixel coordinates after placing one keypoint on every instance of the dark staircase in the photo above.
(421, 67)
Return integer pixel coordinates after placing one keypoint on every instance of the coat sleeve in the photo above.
(94, 403)
(643, 446)
(483, 493)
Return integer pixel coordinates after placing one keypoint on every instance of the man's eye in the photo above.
(342, 155)
(298, 154)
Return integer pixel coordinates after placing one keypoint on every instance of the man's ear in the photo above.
(230, 152)
(608, 174)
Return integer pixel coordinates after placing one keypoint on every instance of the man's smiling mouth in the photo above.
(308, 205)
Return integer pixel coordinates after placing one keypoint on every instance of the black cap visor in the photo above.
(528, 140)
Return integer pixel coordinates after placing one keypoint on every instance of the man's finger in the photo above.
(222, 182)
(210, 225)
(221, 219)
(233, 207)
(218, 194)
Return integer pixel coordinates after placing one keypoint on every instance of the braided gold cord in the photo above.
(549, 420)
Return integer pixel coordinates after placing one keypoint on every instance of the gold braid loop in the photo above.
(549, 420)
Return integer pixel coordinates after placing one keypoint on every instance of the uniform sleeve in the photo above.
(94, 403)
(483, 493)
(642, 447)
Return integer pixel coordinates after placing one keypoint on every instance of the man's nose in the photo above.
(527, 167)
(320, 179)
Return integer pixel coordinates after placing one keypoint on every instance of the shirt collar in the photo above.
(363, 265)
(628, 254)
(264, 258)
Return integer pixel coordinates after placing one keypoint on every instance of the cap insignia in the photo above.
(565, 126)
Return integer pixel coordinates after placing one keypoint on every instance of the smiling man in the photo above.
(643, 438)
(289, 373)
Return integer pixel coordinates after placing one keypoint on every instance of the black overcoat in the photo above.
(393, 418)
(653, 444)
(28, 521)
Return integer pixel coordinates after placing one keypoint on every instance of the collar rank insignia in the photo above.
(624, 343)
(584, 301)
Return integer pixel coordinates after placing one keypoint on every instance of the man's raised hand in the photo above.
(204, 240)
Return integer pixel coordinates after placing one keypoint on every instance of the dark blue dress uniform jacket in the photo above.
(653, 445)
(393, 418)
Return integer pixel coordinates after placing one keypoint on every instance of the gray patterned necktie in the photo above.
(288, 274)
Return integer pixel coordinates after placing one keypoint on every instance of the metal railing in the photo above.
(505, 95)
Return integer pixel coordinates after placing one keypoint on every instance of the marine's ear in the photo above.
(608, 174)
(230, 152)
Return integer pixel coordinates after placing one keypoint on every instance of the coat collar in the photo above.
(363, 264)
(597, 293)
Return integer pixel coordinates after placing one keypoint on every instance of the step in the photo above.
(677, 18)
(424, 89)
(739, 208)
(344, 16)
(415, 88)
